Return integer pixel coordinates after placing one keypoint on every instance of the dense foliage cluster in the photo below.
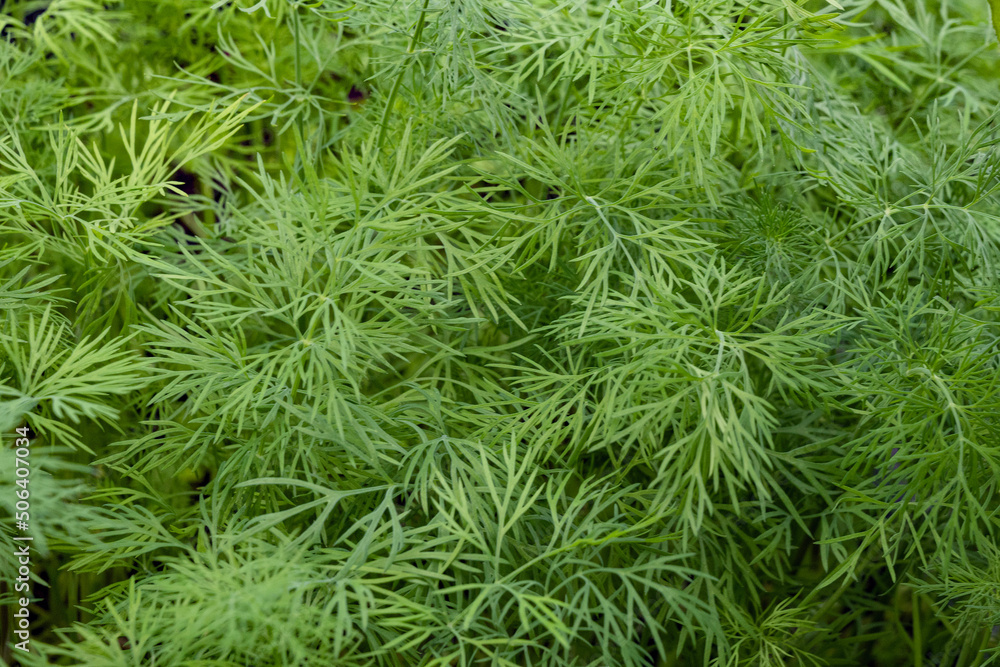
(444, 333)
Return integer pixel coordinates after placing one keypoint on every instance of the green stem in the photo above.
(414, 40)
(298, 50)
(298, 69)
(805, 545)
(972, 651)
(995, 15)
(307, 340)
(806, 640)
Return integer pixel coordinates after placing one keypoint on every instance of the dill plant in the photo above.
(468, 332)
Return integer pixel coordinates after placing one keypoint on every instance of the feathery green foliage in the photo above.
(445, 333)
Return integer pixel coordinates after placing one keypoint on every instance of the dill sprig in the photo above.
(444, 333)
